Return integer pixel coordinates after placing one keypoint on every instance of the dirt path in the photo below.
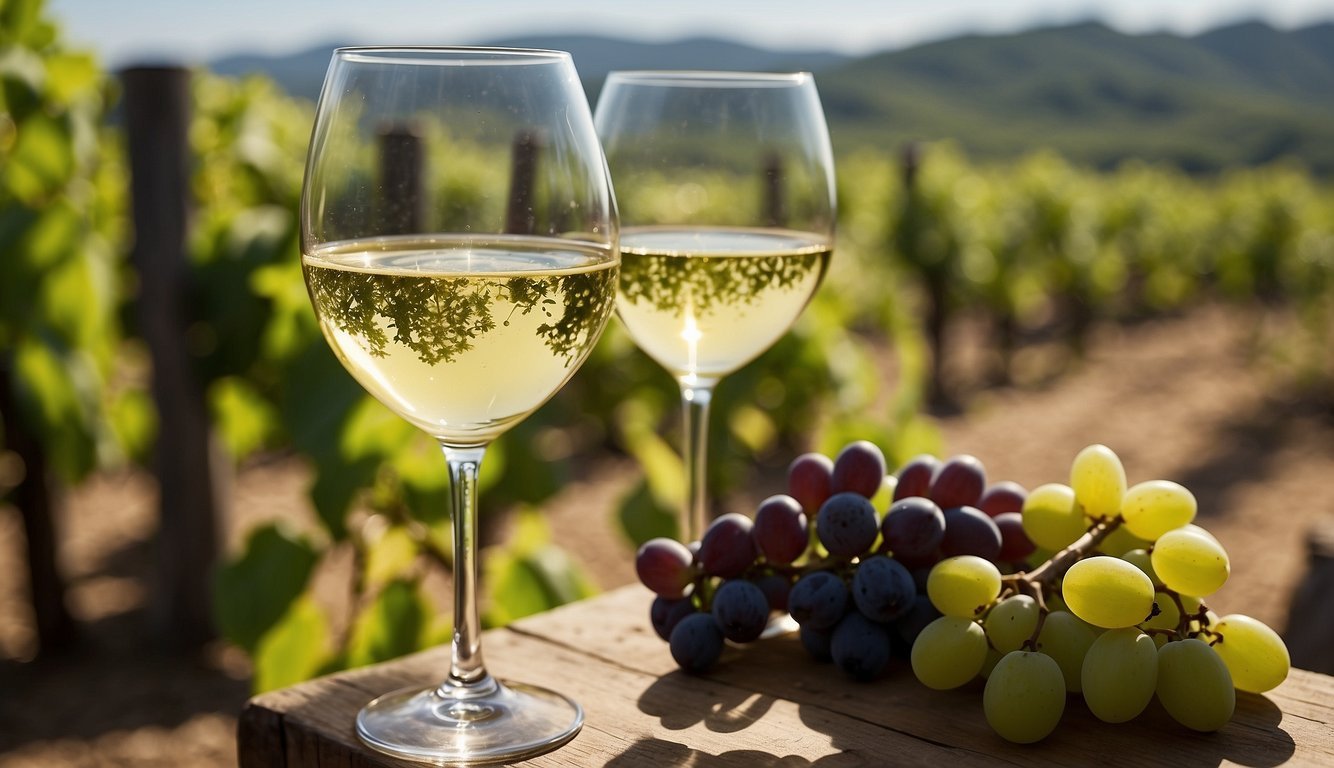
(1178, 399)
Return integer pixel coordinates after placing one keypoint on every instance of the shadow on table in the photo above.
(659, 752)
(730, 709)
(1259, 742)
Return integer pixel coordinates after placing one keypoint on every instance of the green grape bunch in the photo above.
(1117, 608)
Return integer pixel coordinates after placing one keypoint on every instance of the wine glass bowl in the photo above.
(725, 185)
(459, 245)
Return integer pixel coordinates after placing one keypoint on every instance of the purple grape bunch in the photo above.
(851, 574)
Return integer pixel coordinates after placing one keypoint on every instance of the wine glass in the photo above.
(725, 185)
(459, 244)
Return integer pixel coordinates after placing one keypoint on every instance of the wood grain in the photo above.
(766, 705)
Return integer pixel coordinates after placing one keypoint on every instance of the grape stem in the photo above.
(1035, 582)
(1183, 623)
(1061, 561)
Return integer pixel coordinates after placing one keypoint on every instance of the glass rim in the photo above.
(449, 55)
(686, 78)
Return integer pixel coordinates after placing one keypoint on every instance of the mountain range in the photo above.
(1244, 94)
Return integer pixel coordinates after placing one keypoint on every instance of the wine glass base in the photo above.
(513, 722)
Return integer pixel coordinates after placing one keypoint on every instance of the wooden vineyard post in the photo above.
(520, 218)
(187, 463)
(402, 199)
(37, 499)
(774, 194)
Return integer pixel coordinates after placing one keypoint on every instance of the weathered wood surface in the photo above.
(766, 705)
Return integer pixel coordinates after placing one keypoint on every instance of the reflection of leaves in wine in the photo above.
(588, 301)
(441, 318)
(665, 281)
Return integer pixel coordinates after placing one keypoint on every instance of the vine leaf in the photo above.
(295, 649)
(531, 574)
(398, 622)
(253, 593)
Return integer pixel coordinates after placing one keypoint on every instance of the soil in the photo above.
(1182, 398)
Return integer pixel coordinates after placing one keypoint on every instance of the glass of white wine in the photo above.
(725, 185)
(459, 244)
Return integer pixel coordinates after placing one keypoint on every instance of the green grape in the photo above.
(1099, 481)
(949, 652)
(884, 497)
(1025, 697)
(963, 585)
(1011, 622)
(989, 663)
(1190, 563)
(1108, 592)
(1155, 507)
(1120, 674)
(1169, 616)
(1120, 541)
(1201, 530)
(1066, 639)
(1254, 654)
(1194, 685)
(1141, 559)
(1056, 603)
(1051, 518)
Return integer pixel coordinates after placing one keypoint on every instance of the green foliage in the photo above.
(59, 334)
(254, 592)
(296, 648)
(397, 622)
(531, 575)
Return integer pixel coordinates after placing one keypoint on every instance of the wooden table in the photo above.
(766, 705)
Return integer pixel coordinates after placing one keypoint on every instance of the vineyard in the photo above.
(952, 284)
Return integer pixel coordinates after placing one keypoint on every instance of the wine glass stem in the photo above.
(695, 397)
(467, 673)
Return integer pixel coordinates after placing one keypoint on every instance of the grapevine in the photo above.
(1093, 588)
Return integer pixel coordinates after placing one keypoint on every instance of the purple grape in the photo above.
(847, 524)
(727, 548)
(741, 611)
(859, 468)
(915, 476)
(775, 587)
(859, 647)
(1002, 497)
(663, 565)
(1015, 544)
(913, 527)
(970, 532)
(818, 600)
(665, 614)
(696, 642)
(883, 590)
(959, 482)
(816, 643)
(780, 529)
(920, 573)
(808, 478)
(911, 624)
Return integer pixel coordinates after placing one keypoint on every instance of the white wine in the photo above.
(463, 338)
(703, 302)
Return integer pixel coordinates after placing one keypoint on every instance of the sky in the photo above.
(187, 31)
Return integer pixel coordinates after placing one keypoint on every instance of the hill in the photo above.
(1244, 94)
(301, 73)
